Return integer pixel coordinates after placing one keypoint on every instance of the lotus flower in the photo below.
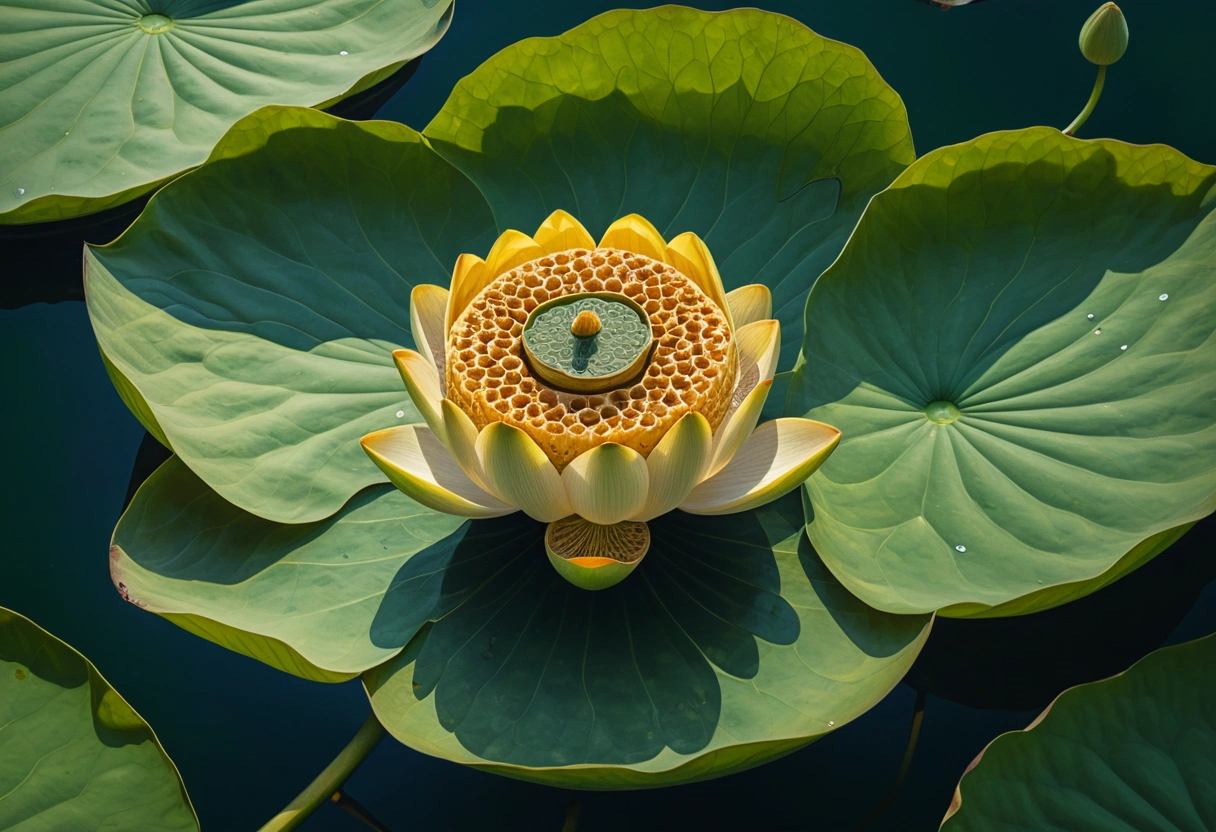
(594, 387)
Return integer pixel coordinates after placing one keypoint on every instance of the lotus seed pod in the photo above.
(592, 556)
(586, 324)
(1104, 36)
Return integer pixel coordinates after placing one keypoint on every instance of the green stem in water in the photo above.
(1071, 130)
(330, 780)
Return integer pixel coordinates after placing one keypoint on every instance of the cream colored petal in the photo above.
(606, 484)
(691, 257)
(428, 312)
(511, 249)
(562, 232)
(469, 277)
(676, 465)
(635, 233)
(776, 458)
(422, 383)
(737, 426)
(415, 461)
(461, 436)
(759, 346)
(749, 304)
(520, 473)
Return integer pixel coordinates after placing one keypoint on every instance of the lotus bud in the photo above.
(586, 324)
(1104, 36)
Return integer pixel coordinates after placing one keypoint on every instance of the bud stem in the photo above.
(1071, 130)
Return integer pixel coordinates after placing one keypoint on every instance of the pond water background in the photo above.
(247, 738)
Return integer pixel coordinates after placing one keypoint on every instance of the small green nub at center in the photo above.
(941, 413)
(154, 24)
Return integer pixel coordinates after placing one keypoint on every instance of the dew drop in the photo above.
(1163, 297)
(831, 722)
(20, 191)
(343, 52)
(961, 548)
(1123, 347)
(1097, 332)
(1090, 316)
(400, 413)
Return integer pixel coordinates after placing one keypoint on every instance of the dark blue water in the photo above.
(247, 738)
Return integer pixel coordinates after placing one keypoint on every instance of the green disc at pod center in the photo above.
(588, 343)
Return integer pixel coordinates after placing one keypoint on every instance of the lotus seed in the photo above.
(961, 548)
(1164, 297)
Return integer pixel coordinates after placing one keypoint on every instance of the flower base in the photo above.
(592, 556)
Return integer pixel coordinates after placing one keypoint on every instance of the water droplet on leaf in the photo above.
(20, 191)
(343, 52)
(1164, 297)
(1090, 316)
(400, 413)
(961, 548)
(1123, 347)
(1097, 332)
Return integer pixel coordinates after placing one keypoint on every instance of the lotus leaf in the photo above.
(250, 313)
(73, 753)
(744, 127)
(101, 102)
(1019, 346)
(1134, 752)
(323, 600)
(730, 645)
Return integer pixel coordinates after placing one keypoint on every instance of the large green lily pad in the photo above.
(743, 126)
(323, 600)
(250, 314)
(1136, 752)
(731, 644)
(73, 753)
(101, 102)
(1019, 346)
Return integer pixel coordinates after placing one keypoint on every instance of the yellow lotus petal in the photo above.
(469, 277)
(636, 234)
(749, 304)
(520, 473)
(759, 346)
(775, 459)
(511, 249)
(422, 383)
(461, 439)
(691, 256)
(737, 426)
(676, 465)
(415, 461)
(562, 232)
(428, 311)
(606, 484)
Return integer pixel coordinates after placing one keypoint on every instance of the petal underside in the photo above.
(416, 461)
(776, 458)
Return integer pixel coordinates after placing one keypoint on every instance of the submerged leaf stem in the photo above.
(1071, 130)
(330, 780)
